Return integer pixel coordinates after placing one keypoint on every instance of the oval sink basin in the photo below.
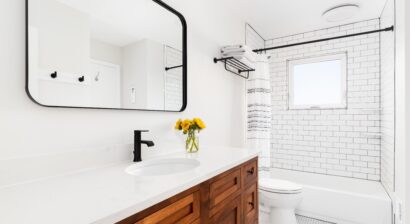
(159, 167)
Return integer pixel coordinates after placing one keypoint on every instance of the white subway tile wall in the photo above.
(252, 38)
(341, 142)
(387, 53)
(173, 79)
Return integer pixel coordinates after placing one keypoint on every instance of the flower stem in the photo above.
(191, 144)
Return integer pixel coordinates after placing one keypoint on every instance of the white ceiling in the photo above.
(278, 18)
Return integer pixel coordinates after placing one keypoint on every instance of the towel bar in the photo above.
(235, 66)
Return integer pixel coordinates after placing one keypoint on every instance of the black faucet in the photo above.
(137, 144)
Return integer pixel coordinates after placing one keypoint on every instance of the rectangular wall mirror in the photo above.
(112, 54)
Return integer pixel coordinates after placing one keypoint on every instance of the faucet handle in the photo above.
(136, 131)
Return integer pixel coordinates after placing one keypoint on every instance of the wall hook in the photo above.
(54, 75)
(81, 79)
(97, 77)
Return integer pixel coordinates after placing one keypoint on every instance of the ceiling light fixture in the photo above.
(340, 12)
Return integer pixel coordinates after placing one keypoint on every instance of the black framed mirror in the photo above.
(106, 54)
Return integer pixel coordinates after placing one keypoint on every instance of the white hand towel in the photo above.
(231, 48)
(235, 49)
(248, 55)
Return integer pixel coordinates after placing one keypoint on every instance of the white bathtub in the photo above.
(340, 200)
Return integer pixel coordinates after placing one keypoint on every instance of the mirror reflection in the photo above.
(123, 54)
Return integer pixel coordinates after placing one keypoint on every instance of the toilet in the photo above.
(278, 201)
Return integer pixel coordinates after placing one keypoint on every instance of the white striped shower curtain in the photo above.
(258, 89)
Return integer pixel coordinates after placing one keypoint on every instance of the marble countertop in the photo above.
(108, 195)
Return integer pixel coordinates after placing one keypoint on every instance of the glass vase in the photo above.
(192, 142)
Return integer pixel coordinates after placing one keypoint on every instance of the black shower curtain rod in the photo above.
(325, 39)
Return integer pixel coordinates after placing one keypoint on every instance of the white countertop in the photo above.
(108, 195)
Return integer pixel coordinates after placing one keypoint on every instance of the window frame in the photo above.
(317, 59)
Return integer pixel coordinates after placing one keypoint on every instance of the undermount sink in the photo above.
(159, 167)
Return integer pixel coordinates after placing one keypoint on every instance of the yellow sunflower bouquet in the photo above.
(190, 128)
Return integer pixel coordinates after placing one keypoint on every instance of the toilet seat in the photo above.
(279, 186)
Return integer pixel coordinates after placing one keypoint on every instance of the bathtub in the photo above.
(340, 200)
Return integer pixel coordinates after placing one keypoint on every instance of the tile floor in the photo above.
(307, 220)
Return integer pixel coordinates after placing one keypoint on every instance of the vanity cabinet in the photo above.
(250, 204)
(231, 197)
(229, 212)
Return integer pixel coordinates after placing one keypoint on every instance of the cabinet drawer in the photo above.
(250, 172)
(230, 213)
(224, 187)
(250, 204)
(185, 210)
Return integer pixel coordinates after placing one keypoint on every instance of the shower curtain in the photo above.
(258, 91)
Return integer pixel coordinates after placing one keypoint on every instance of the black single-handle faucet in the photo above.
(137, 144)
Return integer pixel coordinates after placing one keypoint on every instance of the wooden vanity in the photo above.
(231, 197)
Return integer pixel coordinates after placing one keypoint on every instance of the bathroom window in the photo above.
(318, 83)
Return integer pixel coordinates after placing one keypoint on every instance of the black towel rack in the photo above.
(238, 67)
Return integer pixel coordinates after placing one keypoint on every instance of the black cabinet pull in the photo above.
(251, 171)
(251, 204)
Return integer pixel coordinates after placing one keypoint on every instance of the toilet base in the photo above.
(278, 200)
(276, 216)
(282, 216)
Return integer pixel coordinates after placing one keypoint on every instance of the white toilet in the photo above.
(278, 200)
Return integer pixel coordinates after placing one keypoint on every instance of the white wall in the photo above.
(341, 142)
(407, 121)
(106, 52)
(402, 164)
(59, 49)
(134, 74)
(56, 49)
(33, 132)
(387, 97)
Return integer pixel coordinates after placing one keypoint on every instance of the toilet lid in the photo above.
(279, 186)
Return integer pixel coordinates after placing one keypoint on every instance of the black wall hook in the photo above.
(54, 75)
(173, 67)
(81, 79)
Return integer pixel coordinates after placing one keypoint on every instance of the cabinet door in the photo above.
(230, 213)
(250, 204)
(225, 187)
(185, 210)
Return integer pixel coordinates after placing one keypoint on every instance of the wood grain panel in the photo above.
(230, 214)
(250, 172)
(250, 204)
(182, 207)
(186, 210)
(224, 187)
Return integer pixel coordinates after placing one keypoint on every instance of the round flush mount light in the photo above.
(340, 12)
